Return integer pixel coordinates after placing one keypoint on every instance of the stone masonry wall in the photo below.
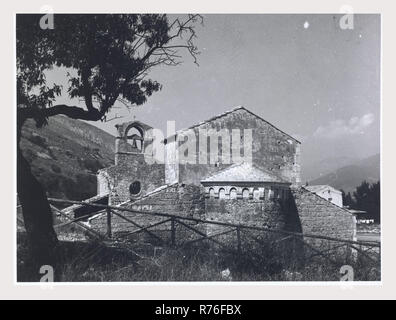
(177, 199)
(266, 213)
(321, 217)
(272, 149)
(130, 168)
(259, 213)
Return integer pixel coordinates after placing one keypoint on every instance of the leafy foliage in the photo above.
(366, 197)
(110, 54)
(347, 199)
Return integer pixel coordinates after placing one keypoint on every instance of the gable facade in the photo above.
(271, 148)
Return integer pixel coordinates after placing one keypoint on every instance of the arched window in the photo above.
(245, 194)
(211, 193)
(221, 193)
(135, 188)
(233, 193)
(256, 194)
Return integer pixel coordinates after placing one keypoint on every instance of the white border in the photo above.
(203, 290)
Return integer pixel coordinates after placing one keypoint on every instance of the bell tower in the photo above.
(133, 174)
(132, 139)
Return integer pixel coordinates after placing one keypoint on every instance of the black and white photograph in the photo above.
(155, 147)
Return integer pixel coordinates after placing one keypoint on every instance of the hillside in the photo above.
(314, 169)
(349, 177)
(66, 154)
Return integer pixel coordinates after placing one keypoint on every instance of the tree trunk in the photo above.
(37, 216)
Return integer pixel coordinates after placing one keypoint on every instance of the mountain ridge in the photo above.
(350, 176)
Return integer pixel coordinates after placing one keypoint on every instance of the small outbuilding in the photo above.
(327, 192)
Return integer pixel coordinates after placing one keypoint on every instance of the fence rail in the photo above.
(247, 244)
(181, 219)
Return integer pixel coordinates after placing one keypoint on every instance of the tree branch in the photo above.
(70, 111)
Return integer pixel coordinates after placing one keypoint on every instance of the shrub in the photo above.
(92, 165)
(55, 168)
(38, 140)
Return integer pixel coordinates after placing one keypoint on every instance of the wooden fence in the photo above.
(370, 251)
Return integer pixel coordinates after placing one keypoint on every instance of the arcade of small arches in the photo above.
(248, 192)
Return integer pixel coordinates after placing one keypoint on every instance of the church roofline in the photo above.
(228, 175)
(224, 114)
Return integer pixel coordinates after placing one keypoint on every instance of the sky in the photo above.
(303, 73)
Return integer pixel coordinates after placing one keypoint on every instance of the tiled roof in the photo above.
(244, 172)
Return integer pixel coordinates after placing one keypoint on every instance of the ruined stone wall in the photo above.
(272, 149)
(272, 214)
(102, 182)
(259, 213)
(133, 167)
(303, 212)
(176, 199)
(321, 217)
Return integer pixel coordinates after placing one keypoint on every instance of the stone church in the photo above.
(262, 188)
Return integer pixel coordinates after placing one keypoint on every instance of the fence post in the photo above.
(348, 251)
(173, 232)
(239, 239)
(108, 222)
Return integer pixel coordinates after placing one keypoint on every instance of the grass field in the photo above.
(94, 262)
